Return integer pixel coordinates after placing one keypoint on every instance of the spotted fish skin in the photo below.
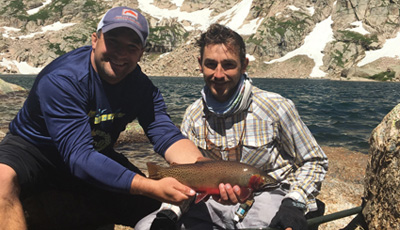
(205, 176)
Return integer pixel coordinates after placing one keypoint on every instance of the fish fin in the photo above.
(245, 193)
(153, 169)
(202, 159)
(201, 196)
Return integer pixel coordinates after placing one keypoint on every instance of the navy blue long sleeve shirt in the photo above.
(72, 115)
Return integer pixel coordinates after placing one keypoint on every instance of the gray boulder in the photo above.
(382, 180)
(6, 88)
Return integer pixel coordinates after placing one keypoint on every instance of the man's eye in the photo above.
(111, 42)
(229, 65)
(211, 65)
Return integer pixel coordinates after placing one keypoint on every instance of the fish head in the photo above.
(259, 182)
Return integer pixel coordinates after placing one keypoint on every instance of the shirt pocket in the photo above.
(260, 133)
(261, 145)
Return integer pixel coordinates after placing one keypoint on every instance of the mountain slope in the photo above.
(286, 39)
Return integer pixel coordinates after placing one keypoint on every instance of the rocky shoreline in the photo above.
(342, 189)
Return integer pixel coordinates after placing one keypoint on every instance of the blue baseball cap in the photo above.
(125, 17)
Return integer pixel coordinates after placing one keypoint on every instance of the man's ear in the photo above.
(245, 64)
(94, 40)
(141, 54)
(200, 64)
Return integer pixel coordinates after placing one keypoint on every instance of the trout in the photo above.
(205, 176)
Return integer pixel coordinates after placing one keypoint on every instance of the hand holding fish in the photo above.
(166, 189)
(216, 177)
(229, 195)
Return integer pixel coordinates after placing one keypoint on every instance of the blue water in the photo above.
(338, 113)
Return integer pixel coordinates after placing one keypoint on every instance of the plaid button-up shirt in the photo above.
(274, 139)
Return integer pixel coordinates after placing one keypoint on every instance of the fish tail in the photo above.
(153, 169)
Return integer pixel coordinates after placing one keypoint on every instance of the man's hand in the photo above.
(229, 195)
(289, 217)
(167, 189)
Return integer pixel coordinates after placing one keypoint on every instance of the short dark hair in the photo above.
(219, 34)
(98, 33)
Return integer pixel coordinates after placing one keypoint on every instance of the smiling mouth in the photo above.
(118, 64)
(219, 85)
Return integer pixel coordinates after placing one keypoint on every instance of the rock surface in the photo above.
(282, 27)
(342, 189)
(382, 180)
(7, 88)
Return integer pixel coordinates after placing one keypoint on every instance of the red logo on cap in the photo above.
(128, 12)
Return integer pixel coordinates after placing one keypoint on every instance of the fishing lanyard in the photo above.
(215, 152)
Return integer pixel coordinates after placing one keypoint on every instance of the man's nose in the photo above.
(121, 50)
(219, 72)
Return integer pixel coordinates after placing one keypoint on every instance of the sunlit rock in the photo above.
(382, 180)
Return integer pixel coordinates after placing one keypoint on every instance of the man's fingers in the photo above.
(231, 194)
(172, 191)
(228, 195)
(237, 191)
(222, 192)
(187, 191)
(184, 189)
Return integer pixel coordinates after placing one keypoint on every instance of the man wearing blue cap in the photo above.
(64, 134)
